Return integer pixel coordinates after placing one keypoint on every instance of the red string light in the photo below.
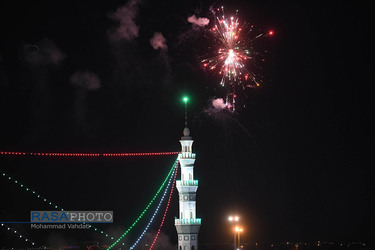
(87, 154)
(166, 210)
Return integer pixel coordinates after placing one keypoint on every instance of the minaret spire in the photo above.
(186, 99)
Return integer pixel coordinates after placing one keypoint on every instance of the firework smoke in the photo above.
(158, 41)
(127, 29)
(43, 61)
(86, 80)
(201, 21)
(45, 52)
(219, 104)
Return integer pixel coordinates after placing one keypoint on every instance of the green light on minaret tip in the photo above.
(185, 99)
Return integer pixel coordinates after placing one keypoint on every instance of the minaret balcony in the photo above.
(188, 186)
(187, 183)
(196, 221)
(186, 155)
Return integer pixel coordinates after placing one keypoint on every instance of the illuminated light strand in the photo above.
(169, 177)
(15, 232)
(11, 179)
(9, 153)
(156, 210)
(165, 212)
(147, 207)
(94, 228)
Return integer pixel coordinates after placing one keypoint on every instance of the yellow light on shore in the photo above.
(237, 230)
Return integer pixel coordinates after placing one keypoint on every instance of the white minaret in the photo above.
(188, 224)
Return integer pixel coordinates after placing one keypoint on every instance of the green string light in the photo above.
(147, 207)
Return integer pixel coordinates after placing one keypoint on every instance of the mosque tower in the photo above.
(187, 224)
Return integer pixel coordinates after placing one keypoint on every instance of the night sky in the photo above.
(294, 163)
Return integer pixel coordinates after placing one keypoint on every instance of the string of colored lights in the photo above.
(11, 179)
(94, 228)
(147, 207)
(47, 201)
(169, 177)
(156, 210)
(9, 153)
(15, 232)
(165, 212)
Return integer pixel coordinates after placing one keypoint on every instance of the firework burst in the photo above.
(232, 55)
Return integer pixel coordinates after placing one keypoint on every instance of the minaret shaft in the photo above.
(187, 224)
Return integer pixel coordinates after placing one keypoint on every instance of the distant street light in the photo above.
(234, 219)
(239, 231)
